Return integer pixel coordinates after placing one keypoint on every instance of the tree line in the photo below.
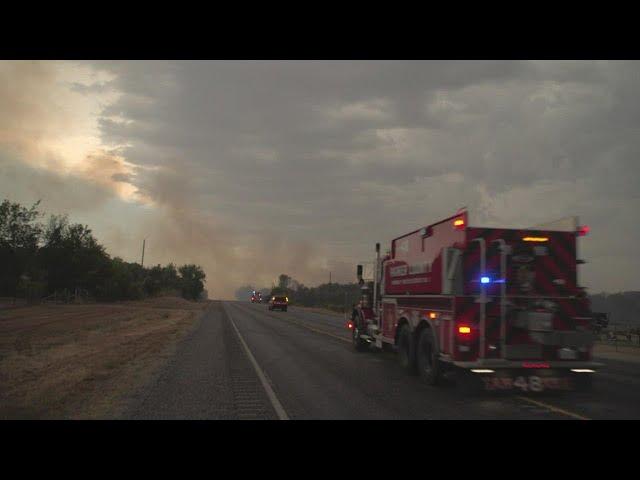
(333, 296)
(57, 257)
(623, 308)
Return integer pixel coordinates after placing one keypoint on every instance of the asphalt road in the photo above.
(243, 361)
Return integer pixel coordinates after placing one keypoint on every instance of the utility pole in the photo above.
(143, 242)
(345, 303)
(329, 278)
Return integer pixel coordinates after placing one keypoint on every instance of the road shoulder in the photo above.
(208, 378)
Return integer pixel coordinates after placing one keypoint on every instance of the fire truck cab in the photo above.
(500, 308)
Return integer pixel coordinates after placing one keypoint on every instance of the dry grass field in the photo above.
(80, 361)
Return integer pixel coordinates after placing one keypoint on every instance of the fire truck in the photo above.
(495, 308)
(256, 297)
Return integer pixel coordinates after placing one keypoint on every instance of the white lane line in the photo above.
(277, 406)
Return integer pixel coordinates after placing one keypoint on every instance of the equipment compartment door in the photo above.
(388, 319)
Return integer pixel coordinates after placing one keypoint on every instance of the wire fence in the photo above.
(620, 336)
(77, 295)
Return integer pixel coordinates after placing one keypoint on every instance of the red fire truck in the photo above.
(498, 308)
(256, 298)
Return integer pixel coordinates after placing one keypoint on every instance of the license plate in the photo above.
(523, 383)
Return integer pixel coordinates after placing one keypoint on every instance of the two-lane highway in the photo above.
(316, 374)
(244, 361)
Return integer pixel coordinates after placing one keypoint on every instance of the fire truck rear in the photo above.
(498, 308)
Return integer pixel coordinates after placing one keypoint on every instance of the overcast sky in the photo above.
(252, 169)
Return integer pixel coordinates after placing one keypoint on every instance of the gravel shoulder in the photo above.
(209, 378)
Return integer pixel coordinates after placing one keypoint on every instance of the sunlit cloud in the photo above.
(50, 121)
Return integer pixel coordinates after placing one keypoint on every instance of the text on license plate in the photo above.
(527, 384)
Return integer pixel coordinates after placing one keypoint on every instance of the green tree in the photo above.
(71, 257)
(19, 237)
(60, 256)
(192, 279)
(161, 280)
(283, 281)
(122, 281)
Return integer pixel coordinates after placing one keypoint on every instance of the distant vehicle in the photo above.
(256, 297)
(499, 308)
(600, 322)
(279, 302)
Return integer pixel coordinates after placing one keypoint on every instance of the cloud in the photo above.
(27, 184)
(256, 168)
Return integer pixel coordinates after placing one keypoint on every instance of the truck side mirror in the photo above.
(359, 272)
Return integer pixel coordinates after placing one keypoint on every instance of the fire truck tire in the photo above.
(427, 358)
(406, 350)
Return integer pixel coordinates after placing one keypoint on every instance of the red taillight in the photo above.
(466, 333)
(464, 330)
(583, 230)
(349, 325)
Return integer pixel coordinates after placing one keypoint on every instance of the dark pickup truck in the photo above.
(279, 302)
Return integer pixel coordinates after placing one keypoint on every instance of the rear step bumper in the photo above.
(522, 364)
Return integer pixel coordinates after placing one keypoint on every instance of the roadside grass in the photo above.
(80, 361)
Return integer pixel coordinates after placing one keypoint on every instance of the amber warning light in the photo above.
(458, 223)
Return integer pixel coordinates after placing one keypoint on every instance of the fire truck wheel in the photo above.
(406, 351)
(427, 357)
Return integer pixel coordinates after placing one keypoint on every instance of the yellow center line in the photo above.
(553, 408)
